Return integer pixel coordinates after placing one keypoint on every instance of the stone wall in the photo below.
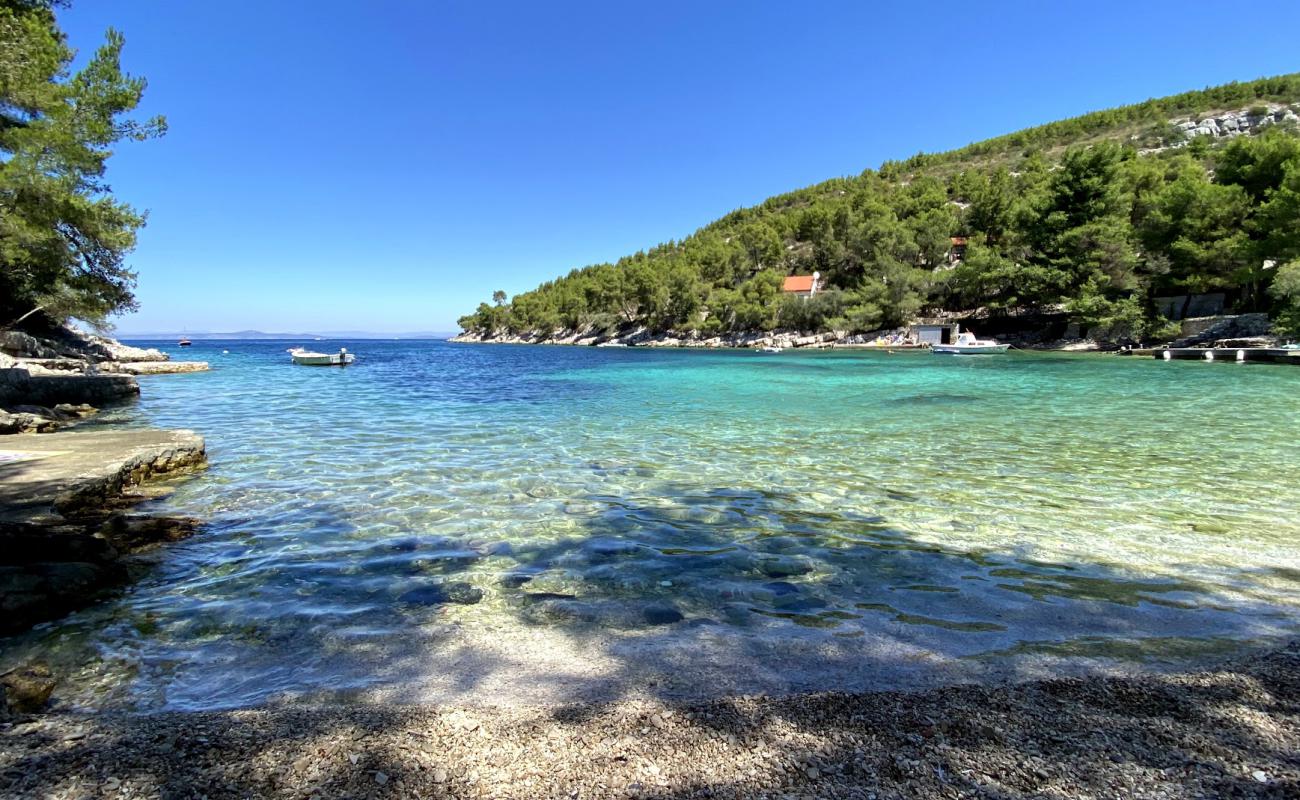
(1184, 306)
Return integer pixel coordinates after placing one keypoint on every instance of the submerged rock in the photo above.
(458, 592)
(781, 588)
(26, 690)
(662, 614)
(463, 593)
(783, 566)
(610, 548)
(513, 580)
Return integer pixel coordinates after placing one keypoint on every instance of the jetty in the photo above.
(1274, 355)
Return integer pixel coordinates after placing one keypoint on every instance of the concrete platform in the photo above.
(1275, 355)
(45, 477)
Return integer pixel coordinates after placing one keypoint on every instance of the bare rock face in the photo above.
(23, 345)
(112, 350)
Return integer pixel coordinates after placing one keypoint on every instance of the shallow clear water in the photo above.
(697, 521)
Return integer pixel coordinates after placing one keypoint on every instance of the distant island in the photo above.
(1114, 226)
(252, 335)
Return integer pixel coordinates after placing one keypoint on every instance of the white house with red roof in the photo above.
(802, 285)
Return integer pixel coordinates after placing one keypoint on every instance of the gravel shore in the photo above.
(1228, 731)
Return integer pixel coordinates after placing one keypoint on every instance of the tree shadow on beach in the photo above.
(1230, 732)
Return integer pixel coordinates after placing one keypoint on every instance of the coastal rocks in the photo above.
(24, 345)
(21, 422)
(20, 387)
(60, 548)
(26, 690)
(48, 570)
(641, 337)
(37, 419)
(32, 593)
(112, 350)
(71, 474)
(66, 365)
(160, 367)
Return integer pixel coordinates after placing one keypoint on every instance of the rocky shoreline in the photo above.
(1234, 330)
(53, 379)
(66, 525)
(1228, 730)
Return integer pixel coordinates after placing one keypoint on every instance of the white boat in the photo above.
(611, 344)
(309, 359)
(769, 349)
(968, 345)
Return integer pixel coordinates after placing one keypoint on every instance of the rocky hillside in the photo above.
(1110, 219)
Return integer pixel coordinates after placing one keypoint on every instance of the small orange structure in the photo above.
(802, 285)
(956, 249)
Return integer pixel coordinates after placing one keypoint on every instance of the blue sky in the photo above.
(386, 165)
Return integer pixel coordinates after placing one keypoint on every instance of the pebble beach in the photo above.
(1228, 730)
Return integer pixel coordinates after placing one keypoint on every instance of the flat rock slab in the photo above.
(161, 367)
(18, 386)
(51, 475)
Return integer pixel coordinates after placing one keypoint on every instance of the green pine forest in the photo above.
(1093, 217)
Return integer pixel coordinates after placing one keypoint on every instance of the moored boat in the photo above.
(308, 358)
(968, 345)
(184, 343)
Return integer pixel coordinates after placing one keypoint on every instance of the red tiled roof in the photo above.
(959, 240)
(798, 283)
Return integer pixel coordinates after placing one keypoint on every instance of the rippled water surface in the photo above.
(528, 523)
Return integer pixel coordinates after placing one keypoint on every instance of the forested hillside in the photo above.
(1096, 216)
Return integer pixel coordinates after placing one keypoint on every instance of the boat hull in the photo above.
(323, 359)
(969, 350)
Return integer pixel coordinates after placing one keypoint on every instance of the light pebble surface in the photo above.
(1231, 730)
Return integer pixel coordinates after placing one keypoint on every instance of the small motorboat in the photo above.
(769, 349)
(968, 345)
(309, 359)
(611, 344)
(184, 343)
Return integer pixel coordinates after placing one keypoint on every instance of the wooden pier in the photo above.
(1275, 355)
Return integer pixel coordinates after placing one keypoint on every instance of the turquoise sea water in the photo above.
(694, 522)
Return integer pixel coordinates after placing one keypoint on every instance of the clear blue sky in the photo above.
(386, 165)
